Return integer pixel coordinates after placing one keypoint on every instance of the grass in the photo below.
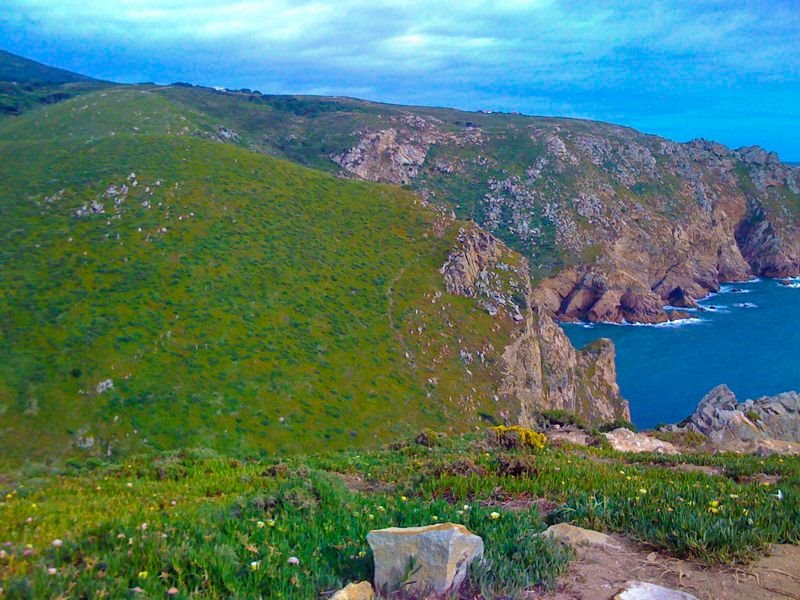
(234, 300)
(212, 526)
(540, 219)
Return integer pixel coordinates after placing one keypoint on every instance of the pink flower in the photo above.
(293, 560)
(173, 591)
(57, 543)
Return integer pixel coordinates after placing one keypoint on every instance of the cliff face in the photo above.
(622, 223)
(614, 224)
(541, 368)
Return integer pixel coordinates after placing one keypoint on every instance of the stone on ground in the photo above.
(569, 436)
(639, 590)
(355, 591)
(625, 440)
(440, 554)
(578, 536)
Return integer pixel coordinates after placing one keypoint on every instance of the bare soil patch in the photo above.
(600, 573)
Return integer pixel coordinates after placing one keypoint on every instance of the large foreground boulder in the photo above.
(424, 560)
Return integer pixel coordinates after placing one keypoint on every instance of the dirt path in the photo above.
(599, 574)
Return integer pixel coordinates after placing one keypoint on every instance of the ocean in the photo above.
(748, 338)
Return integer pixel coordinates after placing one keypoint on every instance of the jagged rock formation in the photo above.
(645, 221)
(722, 418)
(542, 368)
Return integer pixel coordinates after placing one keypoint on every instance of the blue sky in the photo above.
(724, 70)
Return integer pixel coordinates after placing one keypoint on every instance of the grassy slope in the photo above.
(207, 518)
(25, 84)
(274, 313)
(309, 130)
(536, 215)
(20, 69)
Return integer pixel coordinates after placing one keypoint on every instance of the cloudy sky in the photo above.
(722, 69)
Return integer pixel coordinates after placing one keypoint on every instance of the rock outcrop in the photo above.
(721, 418)
(423, 560)
(625, 440)
(542, 370)
(646, 222)
(474, 253)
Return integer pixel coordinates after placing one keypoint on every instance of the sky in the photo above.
(722, 70)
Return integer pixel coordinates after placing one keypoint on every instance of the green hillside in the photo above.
(23, 70)
(164, 290)
(25, 84)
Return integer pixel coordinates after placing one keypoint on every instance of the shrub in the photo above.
(517, 465)
(616, 424)
(562, 418)
(429, 438)
(753, 416)
(515, 436)
(687, 437)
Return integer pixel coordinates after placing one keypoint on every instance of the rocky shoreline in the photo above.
(645, 222)
(720, 423)
(687, 311)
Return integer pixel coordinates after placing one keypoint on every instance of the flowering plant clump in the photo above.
(515, 436)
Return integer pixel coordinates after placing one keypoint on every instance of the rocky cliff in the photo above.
(624, 223)
(615, 224)
(723, 419)
(542, 370)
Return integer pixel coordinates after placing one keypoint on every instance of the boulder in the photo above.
(723, 419)
(640, 590)
(642, 306)
(680, 298)
(625, 440)
(569, 435)
(355, 591)
(431, 559)
(578, 536)
(678, 315)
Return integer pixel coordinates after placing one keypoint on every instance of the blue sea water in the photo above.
(749, 339)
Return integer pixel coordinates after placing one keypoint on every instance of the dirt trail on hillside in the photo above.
(599, 574)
